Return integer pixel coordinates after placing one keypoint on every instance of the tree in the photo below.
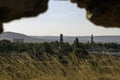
(48, 47)
(79, 49)
(5, 46)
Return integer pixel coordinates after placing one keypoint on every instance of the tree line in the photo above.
(54, 48)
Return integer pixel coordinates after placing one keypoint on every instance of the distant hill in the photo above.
(11, 35)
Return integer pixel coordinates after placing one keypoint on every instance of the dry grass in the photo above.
(24, 67)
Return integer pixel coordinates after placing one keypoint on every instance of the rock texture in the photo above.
(102, 12)
(15, 9)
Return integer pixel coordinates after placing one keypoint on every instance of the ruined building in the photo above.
(76, 42)
(18, 41)
(61, 41)
(92, 39)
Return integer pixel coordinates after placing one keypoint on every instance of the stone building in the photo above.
(15, 40)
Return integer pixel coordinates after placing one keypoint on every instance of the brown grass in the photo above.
(22, 66)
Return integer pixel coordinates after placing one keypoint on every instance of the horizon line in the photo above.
(61, 33)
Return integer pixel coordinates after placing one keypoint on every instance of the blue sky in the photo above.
(61, 17)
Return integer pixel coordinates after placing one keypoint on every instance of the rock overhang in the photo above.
(100, 12)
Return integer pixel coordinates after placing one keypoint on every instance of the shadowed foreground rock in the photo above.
(15, 9)
(102, 12)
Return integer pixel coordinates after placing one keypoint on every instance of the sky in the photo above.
(62, 17)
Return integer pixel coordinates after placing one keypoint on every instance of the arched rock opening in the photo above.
(100, 12)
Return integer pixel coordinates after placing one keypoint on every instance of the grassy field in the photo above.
(22, 66)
